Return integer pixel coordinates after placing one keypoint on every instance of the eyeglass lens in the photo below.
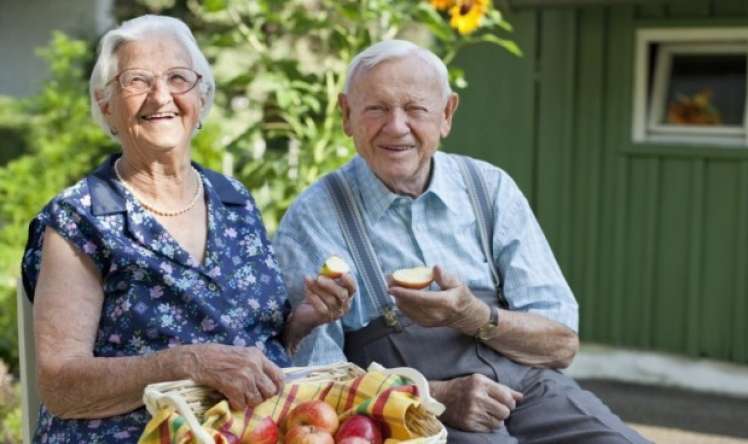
(178, 80)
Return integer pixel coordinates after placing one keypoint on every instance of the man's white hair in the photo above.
(137, 29)
(396, 49)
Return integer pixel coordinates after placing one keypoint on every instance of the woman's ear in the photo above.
(103, 102)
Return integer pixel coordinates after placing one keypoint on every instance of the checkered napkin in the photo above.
(387, 398)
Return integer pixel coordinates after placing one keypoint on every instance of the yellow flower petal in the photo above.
(441, 5)
(466, 15)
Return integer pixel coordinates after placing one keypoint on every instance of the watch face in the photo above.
(484, 332)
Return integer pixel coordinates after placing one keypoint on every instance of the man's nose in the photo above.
(397, 122)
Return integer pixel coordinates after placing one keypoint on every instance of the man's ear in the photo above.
(345, 113)
(453, 101)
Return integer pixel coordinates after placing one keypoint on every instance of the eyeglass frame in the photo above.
(117, 79)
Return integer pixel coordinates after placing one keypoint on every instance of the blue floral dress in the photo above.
(156, 295)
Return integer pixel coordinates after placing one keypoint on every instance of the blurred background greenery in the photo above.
(279, 65)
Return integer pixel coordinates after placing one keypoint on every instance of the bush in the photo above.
(10, 408)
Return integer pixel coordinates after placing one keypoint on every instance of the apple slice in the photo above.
(415, 278)
(334, 267)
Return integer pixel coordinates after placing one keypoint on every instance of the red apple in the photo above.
(315, 413)
(308, 434)
(359, 426)
(353, 440)
(264, 432)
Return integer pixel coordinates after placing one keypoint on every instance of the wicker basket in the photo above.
(191, 400)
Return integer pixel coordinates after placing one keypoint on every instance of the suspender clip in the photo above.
(390, 318)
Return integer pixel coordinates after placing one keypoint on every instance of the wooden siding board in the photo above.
(669, 324)
(719, 257)
(686, 152)
(589, 130)
(729, 7)
(613, 251)
(695, 245)
(554, 128)
(650, 272)
(671, 288)
(690, 8)
(638, 264)
(651, 10)
(740, 312)
(496, 117)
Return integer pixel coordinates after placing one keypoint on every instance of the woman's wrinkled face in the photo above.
(155, 119)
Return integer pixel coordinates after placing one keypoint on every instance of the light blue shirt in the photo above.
(436, 228)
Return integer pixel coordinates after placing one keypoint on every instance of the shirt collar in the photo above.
(446, 183)
(107, 198)
(377, 198)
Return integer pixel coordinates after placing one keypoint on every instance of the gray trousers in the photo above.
(554, 408)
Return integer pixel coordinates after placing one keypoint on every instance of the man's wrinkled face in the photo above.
(396, 114)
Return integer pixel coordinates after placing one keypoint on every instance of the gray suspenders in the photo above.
(484, 212)
(350, 219)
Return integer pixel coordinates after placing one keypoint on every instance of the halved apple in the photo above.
(415, 278)
(334, 267)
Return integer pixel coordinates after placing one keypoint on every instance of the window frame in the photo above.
(672, 41)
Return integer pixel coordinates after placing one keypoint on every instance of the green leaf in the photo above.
(214, 5)
(434, 22)
(506, 44)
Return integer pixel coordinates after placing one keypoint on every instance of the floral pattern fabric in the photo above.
(156, 295)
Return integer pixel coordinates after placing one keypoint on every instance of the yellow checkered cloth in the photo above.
(386, 398)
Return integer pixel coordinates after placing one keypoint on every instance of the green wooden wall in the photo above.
(652, 238)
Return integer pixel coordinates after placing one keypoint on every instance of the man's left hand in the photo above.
(454, 306)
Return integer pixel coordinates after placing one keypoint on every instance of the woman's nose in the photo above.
(160, 91)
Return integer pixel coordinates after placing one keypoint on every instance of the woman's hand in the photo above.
(242, 374)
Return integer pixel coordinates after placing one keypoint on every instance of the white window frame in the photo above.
(646, 126)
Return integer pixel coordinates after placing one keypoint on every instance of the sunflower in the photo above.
(467, 14)
(441, 5)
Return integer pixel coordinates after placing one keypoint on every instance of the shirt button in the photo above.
(212, 287)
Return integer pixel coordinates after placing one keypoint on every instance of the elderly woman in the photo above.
(153, 268)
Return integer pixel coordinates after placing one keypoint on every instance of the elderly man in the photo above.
(499, 318)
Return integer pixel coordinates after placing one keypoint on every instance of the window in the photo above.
(690, 86)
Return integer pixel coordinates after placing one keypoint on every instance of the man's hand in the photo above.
(475, 403)
(242, 374)
(454, 306)
(326, 299)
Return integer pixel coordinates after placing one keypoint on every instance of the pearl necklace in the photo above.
(151, 207)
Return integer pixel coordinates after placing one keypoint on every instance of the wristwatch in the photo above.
(487, 330)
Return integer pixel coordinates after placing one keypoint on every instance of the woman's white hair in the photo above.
(140, 28)
(395, 49)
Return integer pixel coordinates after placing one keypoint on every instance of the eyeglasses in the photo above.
(138, 81)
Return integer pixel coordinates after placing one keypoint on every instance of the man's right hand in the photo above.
(474, 403)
